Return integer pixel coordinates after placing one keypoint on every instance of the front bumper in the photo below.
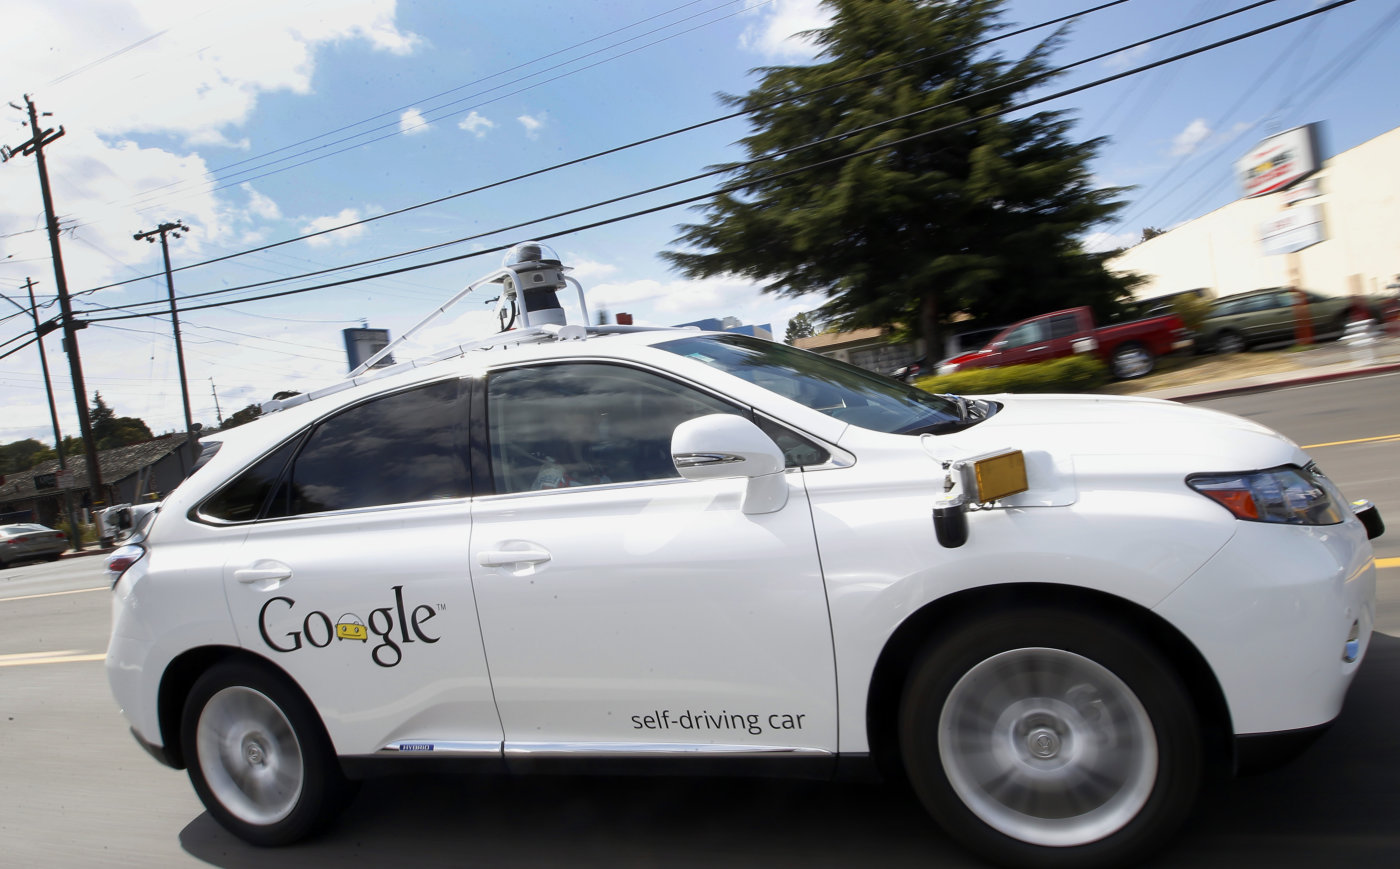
(1283, 616)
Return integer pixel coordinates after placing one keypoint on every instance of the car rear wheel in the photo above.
(1227, 343)
(1131, 360)
(1050, 739)
(258, 755)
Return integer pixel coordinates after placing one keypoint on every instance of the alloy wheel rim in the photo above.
(1133, 363)
(1048, 747)
(250, 755)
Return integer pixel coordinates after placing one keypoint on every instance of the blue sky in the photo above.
(260, 121)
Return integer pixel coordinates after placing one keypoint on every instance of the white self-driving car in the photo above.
(682, 551)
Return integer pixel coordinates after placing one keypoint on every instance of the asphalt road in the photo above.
(76, 791)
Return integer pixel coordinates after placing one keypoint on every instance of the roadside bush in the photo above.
(89, 532)
(1192, 310)
(1071, 374)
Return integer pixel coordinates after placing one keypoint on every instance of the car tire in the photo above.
(258, 756)
(1131, 360)
(1228, 343)
(1050, 738)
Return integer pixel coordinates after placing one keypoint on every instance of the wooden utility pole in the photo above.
(35, 146)
(40, 330)
(174, 230)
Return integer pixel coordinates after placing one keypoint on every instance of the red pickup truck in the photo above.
(1130, 349)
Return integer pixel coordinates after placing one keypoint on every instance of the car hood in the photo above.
(1130, 426)
(1076, 443)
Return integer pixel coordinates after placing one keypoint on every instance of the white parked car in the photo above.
(687, 551)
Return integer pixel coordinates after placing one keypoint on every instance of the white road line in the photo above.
(54, 593)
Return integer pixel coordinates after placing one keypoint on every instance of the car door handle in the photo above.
(259, 574)
(505, 557)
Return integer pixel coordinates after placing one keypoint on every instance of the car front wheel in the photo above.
(1050, 739)
(258, 755)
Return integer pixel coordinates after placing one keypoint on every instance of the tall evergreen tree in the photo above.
(110, 430)
(983, 219)
(800, 326)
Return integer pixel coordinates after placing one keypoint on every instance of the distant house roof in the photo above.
(117, 464)
(836, 340)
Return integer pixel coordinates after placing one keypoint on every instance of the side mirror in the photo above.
(724, 446)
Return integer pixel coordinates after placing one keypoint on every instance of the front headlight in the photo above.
(1289, 495)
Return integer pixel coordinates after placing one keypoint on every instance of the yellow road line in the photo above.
(1388, 562)
(1390, 437)
(54, 593)
(69, 656)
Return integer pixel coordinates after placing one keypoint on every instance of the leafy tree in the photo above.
(246, 415)
(981, 219)
(110, 430)
(72, 446)
(19, 455)
(800, 326)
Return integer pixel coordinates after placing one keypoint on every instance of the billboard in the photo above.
(361, 344)
(1294, 229)
(1279, 161)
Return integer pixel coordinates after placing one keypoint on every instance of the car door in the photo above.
(354, 576)
(1271, 317)
(625, 609)
(1031, 342)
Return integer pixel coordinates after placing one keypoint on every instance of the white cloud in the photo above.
(775, 34)
(1190, 139)
(412, 122)
(589, 270)
(110, 70)
(260, 205)
(93, 191)
(532, 125)
(476, 124)
(1125, 59)
(209, 66)
(339, 238)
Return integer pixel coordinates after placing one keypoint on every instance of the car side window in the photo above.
(1026, 333)
(397, 449)
(243, 499)
(1064, 326)
(558, 426)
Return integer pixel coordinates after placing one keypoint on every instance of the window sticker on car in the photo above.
(319, 631)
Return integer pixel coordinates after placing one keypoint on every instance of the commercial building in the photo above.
(1329, 226)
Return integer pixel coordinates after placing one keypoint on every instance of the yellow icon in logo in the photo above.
(351, 628)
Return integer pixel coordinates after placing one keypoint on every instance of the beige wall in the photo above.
(1360, 203)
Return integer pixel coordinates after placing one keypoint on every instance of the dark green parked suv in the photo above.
(1269, 316)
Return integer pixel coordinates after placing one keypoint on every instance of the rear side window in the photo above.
(397, 449)
(243, 499)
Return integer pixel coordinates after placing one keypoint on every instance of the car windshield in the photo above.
(835, 388)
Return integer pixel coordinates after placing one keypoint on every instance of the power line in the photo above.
(222, 186)
(778, 175)
(1343, 61)
(709, 173)
(634, 144)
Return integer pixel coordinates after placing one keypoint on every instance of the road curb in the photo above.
(87, 552)
(1264, 386)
